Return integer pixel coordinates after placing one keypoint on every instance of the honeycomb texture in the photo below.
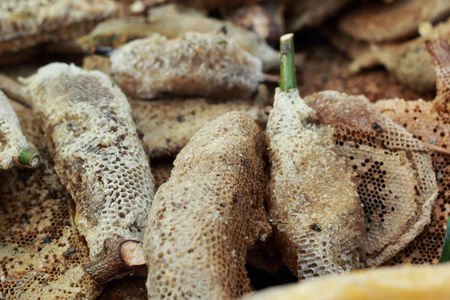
(194, 64)
(41, 251)
(11, 137)
(25, 23)
(208, 214)
(314, 204)
(395, 178)
(378, 22)
(168, 125)
(97, 152)
(430, 123)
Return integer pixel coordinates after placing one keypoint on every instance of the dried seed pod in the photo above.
(42, 252)
(167, 126)
(400, 283)
(409, 61)
(13, 144)
(96, 150)
(429, 121)
(195, 64)
(396, 182)
(47, 21)
(208, 214)
(378, 22)
(313, 202)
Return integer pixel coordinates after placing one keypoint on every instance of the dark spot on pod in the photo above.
(315, 227)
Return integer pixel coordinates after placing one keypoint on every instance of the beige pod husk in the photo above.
(313, 204)
(97, 153)
(193, 64)
(12, 140)
(404, 282)
(208, 214)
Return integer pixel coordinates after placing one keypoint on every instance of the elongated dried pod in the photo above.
(97, 153)
(313, 202)
(194, 64)
(13, 144)
(27, 23)
(116, 32)
(208, 214)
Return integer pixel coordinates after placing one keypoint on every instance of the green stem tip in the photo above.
(287, 65)
(445, 253)
(28, 158)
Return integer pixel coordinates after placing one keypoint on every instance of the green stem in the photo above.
(28, 158)
(287, 66)
(445, 253)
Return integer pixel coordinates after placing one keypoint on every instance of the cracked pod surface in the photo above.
(313, 202)
(41, 250)
(11, 136)
(209, 213)
(97, 153)
(396, 182)
(428, 121)
(194, 64)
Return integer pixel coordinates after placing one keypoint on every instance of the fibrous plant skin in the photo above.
(209, 213)
(97, 152)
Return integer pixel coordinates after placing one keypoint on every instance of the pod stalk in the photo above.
(287, 63)
(27, 158)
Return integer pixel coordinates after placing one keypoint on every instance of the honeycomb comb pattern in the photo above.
(396, 182)
(97, 152)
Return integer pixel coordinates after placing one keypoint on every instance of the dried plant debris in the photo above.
(195, 64)
(199, 4)
(308, 13)
(208, 214)
(41, 251)
(378, 22)
(400, 283)
(395, 177)
(265, 19)
(116, 32)
(97, 152)
(409, 61)
(430, 123)
(25, 23)
(13, 144)
(168, 125)
(313, 202)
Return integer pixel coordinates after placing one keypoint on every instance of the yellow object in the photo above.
(403, 282)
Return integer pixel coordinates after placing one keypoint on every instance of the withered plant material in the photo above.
(399, 283)
(395, 177)
(378, 22)
(13, 144)
(265, 19)
(97, 152)
(175, 25)
(42, 252)
(194, 64)
(313, 203)
(168, 125)
(308, 13)
(25, 23)
(429, 122)
(208, 214)
(409, 61)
